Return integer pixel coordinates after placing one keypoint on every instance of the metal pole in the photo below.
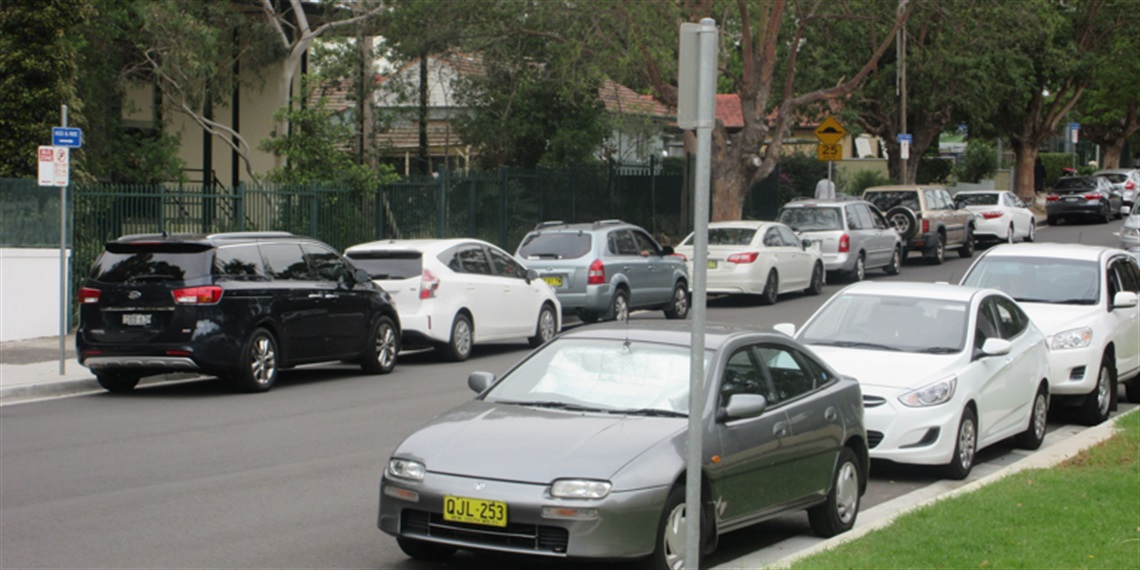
(904, 170)
(706, 114)
(63, 265)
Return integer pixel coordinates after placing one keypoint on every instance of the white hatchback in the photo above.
(758, 258)
(945, 370)
(454, 293)
(1085, 299)
(1000, 215)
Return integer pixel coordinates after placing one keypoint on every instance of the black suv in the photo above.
(240, 306)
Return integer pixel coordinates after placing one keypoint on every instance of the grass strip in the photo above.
(1083, 513)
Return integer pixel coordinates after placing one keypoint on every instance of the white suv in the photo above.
(1084, 298)
(453, 293)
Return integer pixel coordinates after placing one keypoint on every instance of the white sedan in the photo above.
(1085, 299)
(454, 293)
(1000, 215)
(946, 370)
(758, 258)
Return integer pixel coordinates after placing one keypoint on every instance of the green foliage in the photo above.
(933, 170)
(799, 174)
(1054, 162)
(978, 162)
(864, 179)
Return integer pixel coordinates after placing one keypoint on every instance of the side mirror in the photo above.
(806, 243)
(996, 347)
(361, 276)
(785, 328)
(480, 381)
(742, 406)
(531, 275)
(1124, 300)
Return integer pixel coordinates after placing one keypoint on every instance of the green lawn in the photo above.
(1084, 513)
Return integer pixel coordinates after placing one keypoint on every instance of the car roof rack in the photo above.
(607, 223)
(247, 235)
(548, 224)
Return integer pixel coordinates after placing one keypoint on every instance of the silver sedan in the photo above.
(579, 450)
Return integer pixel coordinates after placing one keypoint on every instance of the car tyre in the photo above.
(1009, 234)
(859, 272)
(1033, 435)
(422, 550)
(679, 306)
(1107, 217)
(895, 266)
(117, 382)
(771, 289)
(816, 285)
(939, 254)
(458, 347)
(669, 550)
(1098, 403)
(546, 327)
(1052, 220)
(904, 221)
(619, 306)
(380, 354)
(257, 371)
(967, 249)
(966, 446)
(837, 514)
(1032, 235)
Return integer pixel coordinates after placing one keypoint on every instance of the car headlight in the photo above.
(406, 469)
(939, 392)
(1130, 232)
(1072, 338)
(580, 489)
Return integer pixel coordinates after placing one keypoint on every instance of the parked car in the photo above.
(579, 450)
(999, 215)
(605, 269)
(1126, 182)
(1130, 234)
(1085, 300)
(758, 258)
(240, 306)
(1082, 197)
(454, 293)
(853, 235)
(926, 217)
(945, 370)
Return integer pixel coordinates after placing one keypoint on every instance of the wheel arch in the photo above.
(859, 445)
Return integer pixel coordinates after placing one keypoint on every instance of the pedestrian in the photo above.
(825, 190)
(1039, 176)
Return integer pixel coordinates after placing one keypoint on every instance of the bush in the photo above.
(1054, 162)
(978, 162)
(864, 179)
(799, 174)
(933, 170)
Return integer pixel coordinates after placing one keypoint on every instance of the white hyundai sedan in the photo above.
(1000, 215)
(454, 293)
(1085, 299)
(945, 370)
(758, 258)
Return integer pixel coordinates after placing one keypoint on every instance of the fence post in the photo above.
(379, 212)
(653, 193)
(239, 208)
(441, 203)
(161, 208)
(471, 206)
(503, 207)
(313, 211)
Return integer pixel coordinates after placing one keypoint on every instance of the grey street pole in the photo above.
(63, 265)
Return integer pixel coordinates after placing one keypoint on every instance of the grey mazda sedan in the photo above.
(579, 450)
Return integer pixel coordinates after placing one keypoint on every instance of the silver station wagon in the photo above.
(579, 451)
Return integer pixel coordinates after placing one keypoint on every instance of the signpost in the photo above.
(904, 146)
(55, 170)
(829, 133)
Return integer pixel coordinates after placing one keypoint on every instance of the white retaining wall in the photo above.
(29, 293)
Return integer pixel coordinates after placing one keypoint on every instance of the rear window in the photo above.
(1114, 177)
(808, 219)
(388, 264)
(726, 236)
(889, 199)
(976, 199)
(556, 245)
(1068, 185)
(132, 263)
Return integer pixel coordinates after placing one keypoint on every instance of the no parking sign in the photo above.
(54, 165)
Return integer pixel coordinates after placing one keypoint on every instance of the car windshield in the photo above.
(1039, 279)
(555, 245)
(889, 199)
(603, 374)
(976, 199)
(726, 236)
(388, 264)
(809, 219)
(895, 324)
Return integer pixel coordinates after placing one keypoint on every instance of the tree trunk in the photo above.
(1023, 172)
(1110, 154)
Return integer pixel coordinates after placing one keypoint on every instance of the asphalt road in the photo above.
(190, 475)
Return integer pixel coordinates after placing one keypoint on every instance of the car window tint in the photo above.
(470, 259)
(1128, 273)
(326, 263)
(1010, 317)
(788, 236)
(811, 218)
(506, 265)
(976, 199)
(645, 243)
(887, 199)
(285, 261)
(985, 326)
(1039, 279)
(772, 238)
(624, 243)
(877, 219)
(744, 375)
(727, 236)
(390, 264)
(866, 220)
(241, 262)
(933, 200)
(555, 245)
(853, 221)
(895, 323)
(1073, 184)
(126, 263)
(789, 377)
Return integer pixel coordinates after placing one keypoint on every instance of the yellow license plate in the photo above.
(554, 281)
(475, 511)
(712, 264)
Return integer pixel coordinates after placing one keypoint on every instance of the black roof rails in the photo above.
(248, 235)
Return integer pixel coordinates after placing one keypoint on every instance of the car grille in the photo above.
(873, 401)
(874, 438)
(521, 537)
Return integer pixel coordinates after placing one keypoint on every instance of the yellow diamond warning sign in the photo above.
(830, 131)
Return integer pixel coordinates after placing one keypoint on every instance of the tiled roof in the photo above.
(728, 111)
(405, 137)
(621, 99)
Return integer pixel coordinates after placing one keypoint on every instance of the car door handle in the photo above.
(316, 295)
(830, 414)
(780, 429)
(332, 296)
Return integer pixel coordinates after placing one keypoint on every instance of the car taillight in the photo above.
(746, 257)
(89, 295)
(597, 273)
(207, 295)
(1052, 198)
(1130, 185)
(429, 283)
(680, 256)
(844, 243)
(925, 226)
(1092, 196)
(992, 214)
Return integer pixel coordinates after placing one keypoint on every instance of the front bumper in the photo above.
(920, 436)
(623, 525)
(1073, 371)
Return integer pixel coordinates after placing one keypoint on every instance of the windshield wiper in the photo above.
(543, 256)
(153, 277)
(651, 412)
(855, 344)
(1079, 301)
(937, 350)
(553, 405)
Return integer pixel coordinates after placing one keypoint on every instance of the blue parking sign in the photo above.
(69, 137)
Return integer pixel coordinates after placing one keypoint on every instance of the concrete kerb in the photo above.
(885, 514)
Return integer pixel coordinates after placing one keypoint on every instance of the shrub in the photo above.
(933, 170)
(864, 179)
(978, 162)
